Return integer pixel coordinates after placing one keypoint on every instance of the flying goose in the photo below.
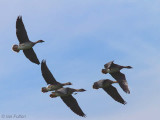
(50, 80)
(106, 85)
(66, 95)
(114, 71)
(24, 43)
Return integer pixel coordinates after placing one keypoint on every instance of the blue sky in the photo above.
(80, 37)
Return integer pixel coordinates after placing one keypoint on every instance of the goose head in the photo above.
(104, 71)
(44, 89)
(15, 48)
(39, 41)
(82, 90)
(95, 85)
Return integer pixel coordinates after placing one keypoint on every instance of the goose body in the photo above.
(66, 95)
(106, 85)
(24, 43)
(65, 92)
(54, 87)
(112, 70)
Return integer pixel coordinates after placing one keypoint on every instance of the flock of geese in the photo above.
(57, 88)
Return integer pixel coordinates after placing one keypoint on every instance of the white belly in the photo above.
(25, 46)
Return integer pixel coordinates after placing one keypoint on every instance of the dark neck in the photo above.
(36, 42)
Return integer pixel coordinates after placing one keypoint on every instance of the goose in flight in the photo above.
(106, 85)
(50, 80)
(114, 71)
(66, 95)
(24, 43)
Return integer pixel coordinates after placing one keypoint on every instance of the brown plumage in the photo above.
(106, 85)
(66, 95)
(72, 103)
(31, 55)
(114, 71)
(25, 44)
(47, 75)
(49, 78)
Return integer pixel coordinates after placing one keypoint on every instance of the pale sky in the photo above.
(80, 37)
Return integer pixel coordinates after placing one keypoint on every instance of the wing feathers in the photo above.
(112, 91)
(31, 55)
(71, 102)
(47, 75)
(120, 77)
(21, 31)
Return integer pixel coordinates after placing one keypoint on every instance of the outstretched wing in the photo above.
(107, 65)
(31, 55)
(71, 102)
(112, 91)
(47, 75)
(21, 31)
(121, 79)
(111, 64)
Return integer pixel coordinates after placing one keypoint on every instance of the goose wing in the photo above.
(111, 65)
(72, 103)
(21, 31)
(121, 79)
(31, 55)
(47, 75)
(107, 65)
(112, 91)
